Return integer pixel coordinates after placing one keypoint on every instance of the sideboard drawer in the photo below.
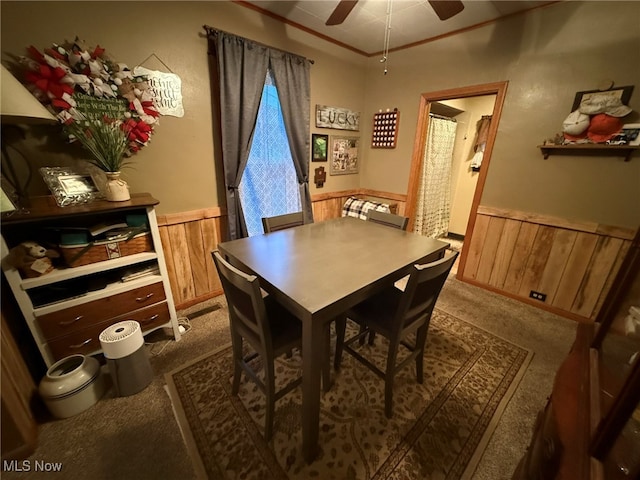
(76, 318)
(87, 340)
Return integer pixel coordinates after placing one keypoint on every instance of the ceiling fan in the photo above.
(444, 9)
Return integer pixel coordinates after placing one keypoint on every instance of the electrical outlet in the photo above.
(537, 295)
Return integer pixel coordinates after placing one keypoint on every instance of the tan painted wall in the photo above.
(463, 180)
(179, 166)
(547, 56)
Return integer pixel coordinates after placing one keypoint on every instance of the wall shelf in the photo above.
(589, 149)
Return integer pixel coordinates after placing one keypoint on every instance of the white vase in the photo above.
(117, 189)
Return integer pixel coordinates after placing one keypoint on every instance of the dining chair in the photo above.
(280, 222)
(395, 315)
(388, 219)
(267, 327)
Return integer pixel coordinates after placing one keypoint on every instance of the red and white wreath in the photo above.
(80, 84)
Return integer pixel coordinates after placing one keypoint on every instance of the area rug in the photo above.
(438, 431)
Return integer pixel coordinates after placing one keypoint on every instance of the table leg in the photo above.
(312, 357)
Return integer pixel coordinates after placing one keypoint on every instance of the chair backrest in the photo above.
(280, 222)
(247, 312)
(422, 290)
(388, 219)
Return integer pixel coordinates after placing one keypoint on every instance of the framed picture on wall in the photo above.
(344, 155)
(319, 147)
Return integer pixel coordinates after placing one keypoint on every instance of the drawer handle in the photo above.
(146, 297)
(80, 345)
(150, 319)
(69, 322)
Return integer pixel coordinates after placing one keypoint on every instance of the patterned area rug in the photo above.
(438, 430)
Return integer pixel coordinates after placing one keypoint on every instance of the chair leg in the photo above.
(326, 359)
(237, 359)
(341, 325)
(372, 337)
(421, 340)
(270, 387)
(360, 332)
(388, 379)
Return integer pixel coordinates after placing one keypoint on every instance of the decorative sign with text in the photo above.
(165, 89)
(338, 118)
(95, 108)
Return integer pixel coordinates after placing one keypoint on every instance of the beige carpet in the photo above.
(438, 431)
(137, 437)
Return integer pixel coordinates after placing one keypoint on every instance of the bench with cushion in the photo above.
(358, 207)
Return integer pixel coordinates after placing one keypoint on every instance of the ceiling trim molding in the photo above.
(298, 26)
(395, 49)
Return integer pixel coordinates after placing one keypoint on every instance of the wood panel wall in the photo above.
(572, 263)
(188, 238)
(19, 426)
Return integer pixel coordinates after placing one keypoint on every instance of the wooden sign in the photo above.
(320, 177)
(338, 118)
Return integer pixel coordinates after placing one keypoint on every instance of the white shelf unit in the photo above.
(71, 324)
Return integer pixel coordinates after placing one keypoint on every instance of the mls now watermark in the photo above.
(30, 466)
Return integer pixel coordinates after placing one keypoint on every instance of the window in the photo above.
(269, 185)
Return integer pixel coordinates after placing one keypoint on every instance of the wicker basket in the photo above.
(77, 255)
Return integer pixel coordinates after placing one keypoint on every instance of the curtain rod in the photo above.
(213, 31)
(442, 117)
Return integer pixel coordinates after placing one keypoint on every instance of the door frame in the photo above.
(499, 89)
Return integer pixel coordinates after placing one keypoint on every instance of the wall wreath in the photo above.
(83, 86)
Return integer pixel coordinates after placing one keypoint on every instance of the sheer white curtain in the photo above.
(434, 195)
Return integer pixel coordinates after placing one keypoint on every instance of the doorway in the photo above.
(427, 101)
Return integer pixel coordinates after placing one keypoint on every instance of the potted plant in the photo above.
(108, 142)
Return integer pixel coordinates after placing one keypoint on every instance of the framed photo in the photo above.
(621, 93)
(77, 184)
(631, 132)
(69, 187)
(319, 147)
(344, 155)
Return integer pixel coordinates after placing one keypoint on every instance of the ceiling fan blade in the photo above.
(446, 8)
(341, 12)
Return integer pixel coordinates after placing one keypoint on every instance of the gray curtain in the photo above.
(242, 69)
(291, 75)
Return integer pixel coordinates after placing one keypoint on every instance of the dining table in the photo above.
(318, 271)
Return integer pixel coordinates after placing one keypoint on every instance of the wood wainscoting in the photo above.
(572, 264)
(188, 239)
